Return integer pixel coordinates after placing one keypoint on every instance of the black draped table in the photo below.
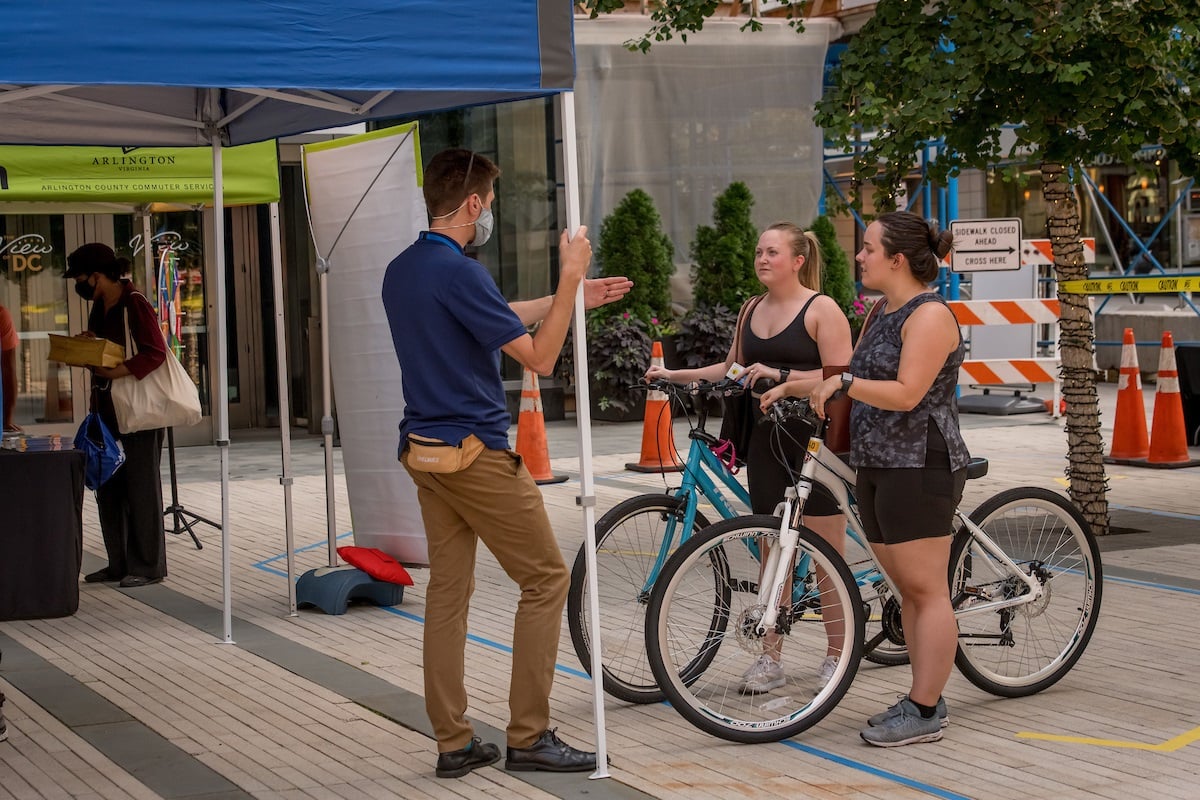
(41, 533)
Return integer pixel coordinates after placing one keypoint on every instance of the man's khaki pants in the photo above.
(494, 500)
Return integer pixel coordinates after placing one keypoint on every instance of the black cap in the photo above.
(93, 257)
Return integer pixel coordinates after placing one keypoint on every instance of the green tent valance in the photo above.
(136, 175)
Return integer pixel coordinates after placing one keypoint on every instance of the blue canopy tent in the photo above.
(228, 72)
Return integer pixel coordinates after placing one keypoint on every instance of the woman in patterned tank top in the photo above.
(906, 444)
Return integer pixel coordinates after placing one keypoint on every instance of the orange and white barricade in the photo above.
(1001, 371)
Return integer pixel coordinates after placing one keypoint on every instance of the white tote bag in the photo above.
(166, 398)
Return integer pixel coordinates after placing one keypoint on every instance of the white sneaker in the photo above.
(828, 667)
(764, 675)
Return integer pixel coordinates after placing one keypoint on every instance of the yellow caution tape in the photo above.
(1151, 285)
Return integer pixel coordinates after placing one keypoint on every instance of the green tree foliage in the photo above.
(723, 255)
(632, 243)
(837, 277)
(1077, 80)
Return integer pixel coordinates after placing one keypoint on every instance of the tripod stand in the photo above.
(183, 519)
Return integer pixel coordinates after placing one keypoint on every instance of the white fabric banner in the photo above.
(366, 205)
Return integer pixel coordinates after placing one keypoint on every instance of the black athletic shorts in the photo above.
(907, 503)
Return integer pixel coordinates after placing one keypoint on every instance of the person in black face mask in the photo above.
(130, 502)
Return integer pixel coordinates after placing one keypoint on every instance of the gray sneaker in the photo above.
(3, 726)
(764, 675)
(907, 726)
(883, 716)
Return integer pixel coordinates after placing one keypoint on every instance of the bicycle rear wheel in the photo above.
(698, 652)
(630, 542)
(1019, 651)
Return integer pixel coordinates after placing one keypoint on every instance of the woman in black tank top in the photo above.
(787, 334)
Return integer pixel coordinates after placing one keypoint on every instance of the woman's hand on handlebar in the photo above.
(777, 393)
(824, 390)
(657, 373)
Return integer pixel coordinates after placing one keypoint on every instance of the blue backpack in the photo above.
(103, 452)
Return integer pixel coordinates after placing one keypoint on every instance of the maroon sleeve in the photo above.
(147, 336)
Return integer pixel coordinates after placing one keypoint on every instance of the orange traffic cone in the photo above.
(1129, 424)
(531, 432)
(658, 438)
(1168, 433)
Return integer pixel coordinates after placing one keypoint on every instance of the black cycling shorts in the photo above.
(904, 504)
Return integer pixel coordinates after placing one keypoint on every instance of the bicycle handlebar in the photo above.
(722, 388)
(786, 409)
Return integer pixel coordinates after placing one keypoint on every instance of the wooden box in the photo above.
(82, 352)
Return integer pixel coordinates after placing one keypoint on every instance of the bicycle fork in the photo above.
(778, 567)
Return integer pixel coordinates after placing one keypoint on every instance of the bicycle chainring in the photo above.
(891, 622)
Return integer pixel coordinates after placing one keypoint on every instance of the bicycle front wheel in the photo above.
(1023, 649)
(633, 541)
(700, 633)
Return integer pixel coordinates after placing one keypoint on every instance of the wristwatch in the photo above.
(847, 379)
(783, 374)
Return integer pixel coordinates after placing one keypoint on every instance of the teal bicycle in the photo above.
(636, 537)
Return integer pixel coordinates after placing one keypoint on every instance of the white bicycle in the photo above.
(1025, 578)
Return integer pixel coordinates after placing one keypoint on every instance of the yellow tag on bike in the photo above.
(814, 445)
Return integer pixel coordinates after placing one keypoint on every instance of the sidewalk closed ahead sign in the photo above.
(982, 245)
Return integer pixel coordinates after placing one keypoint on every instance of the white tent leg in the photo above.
(327, 410)
(587, 485)
(220, 404)
(285, 409)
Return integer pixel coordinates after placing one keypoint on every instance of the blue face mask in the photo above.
(483, 227)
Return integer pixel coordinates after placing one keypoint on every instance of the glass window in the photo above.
(177, 252)
(32, 262)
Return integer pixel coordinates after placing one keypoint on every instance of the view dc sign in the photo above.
(986, 244)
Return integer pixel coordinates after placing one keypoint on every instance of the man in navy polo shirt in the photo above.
(449, 323)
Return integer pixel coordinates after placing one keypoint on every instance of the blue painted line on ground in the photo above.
(1157, 512)
(577, 673)
(262, 565)
(936, 791)
(1151, 585)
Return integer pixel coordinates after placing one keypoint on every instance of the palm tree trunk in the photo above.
(1085, 446)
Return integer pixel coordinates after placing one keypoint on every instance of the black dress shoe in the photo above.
(457, 763)
(549, 754)
(101, 576)
(131, 581)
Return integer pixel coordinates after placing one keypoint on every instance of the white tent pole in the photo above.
(327, 412)
(285, 410)
(587, 485)
(220, 404)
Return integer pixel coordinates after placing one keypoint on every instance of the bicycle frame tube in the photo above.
(823, 466)
(1035, 586)
(697, 476)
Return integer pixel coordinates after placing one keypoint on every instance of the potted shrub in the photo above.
(631, 243)
(723, 277)
(618, 355)
(837, 276)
